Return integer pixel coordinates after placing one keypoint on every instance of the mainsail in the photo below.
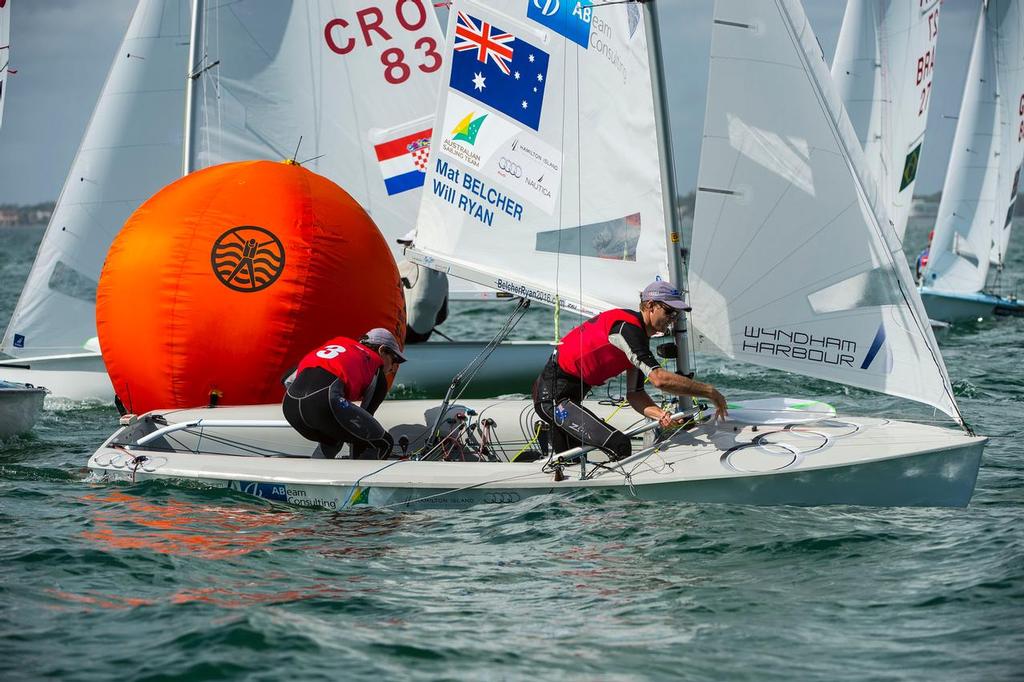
(793, 263)
(882, 69)
(545, 178)
(5, 50)
(131, 148)
(973, 225)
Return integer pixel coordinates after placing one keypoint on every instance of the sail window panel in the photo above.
(865, 290)
(66, 280)
(786, 157)
(610, 239)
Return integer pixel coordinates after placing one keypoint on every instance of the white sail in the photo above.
(973, 224)
(357, 82)
(131, 148)
(882, 70)
(1007, 25)
(5, 50)
(545, 177)
(793, 263)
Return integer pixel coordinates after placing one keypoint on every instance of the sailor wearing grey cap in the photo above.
(319, 401)
(604, 346)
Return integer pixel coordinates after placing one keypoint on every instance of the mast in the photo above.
(194, 56)
(673, 231)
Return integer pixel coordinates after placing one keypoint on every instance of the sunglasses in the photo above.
(670, 312)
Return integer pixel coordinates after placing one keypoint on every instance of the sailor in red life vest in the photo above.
(604, 346)
(319, 401)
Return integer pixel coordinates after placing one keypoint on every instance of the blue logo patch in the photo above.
(268, 491)
(19, 340)
(569, 18)
(560, 414)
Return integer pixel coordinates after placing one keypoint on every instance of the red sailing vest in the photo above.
(353, 363)
(585, 352)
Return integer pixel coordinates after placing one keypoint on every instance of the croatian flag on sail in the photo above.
(403, 161)
(498, 69)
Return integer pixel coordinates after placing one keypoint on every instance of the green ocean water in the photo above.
(153, 582)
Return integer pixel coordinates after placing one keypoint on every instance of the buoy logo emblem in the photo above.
(247, 258)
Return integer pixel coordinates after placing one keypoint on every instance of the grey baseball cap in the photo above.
(378, 336)
(665, 292)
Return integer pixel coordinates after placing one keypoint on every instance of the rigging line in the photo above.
(873, 223)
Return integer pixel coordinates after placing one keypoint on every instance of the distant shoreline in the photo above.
(14, 215)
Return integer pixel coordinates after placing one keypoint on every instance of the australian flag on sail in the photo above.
(498, 69)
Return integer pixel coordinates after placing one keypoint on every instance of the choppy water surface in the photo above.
(157, 582)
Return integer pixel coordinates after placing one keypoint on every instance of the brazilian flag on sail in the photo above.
(910, 167)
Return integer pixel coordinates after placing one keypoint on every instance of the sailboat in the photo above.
(131, 148)
(882, 69)
(975, 215)
(20, 404)
(5, 51)
(350, 93)
(782, 175)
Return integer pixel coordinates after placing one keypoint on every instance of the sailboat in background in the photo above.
(580, 134)
(358, 89)
(882, 69)
(980, 192)
(5, 50)
(20, 404)
(131, 148)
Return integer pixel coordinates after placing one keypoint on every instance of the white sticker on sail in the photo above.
(502, 151)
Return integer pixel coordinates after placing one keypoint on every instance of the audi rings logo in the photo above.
(547, 7)
(247, 258)
(501, 498)
(510, 167)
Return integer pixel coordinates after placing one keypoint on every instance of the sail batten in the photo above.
(799, 269)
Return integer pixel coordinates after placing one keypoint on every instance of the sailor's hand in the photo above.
(721, 409)
(666, 420)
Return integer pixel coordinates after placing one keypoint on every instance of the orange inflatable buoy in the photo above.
(223, 280)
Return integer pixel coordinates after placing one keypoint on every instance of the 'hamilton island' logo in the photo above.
(247, 258)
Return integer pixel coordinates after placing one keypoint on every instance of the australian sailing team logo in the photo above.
(468, 128)
(247, 258)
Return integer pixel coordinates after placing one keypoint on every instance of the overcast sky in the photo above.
(62, 50)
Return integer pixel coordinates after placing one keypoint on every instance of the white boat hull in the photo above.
(842, 460)
(20, 406)
(71, 377)
(512, 369)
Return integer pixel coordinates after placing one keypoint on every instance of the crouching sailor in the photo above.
(319, 400)
(601, 348)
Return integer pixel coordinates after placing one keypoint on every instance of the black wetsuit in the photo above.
(557, 395)
(315, 405)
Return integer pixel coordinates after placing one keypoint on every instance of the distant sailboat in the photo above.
(5, 50)
(980, 192)
(130, 149)
(20, 404)
(883, 67)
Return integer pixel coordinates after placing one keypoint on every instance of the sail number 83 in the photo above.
(343, 36)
